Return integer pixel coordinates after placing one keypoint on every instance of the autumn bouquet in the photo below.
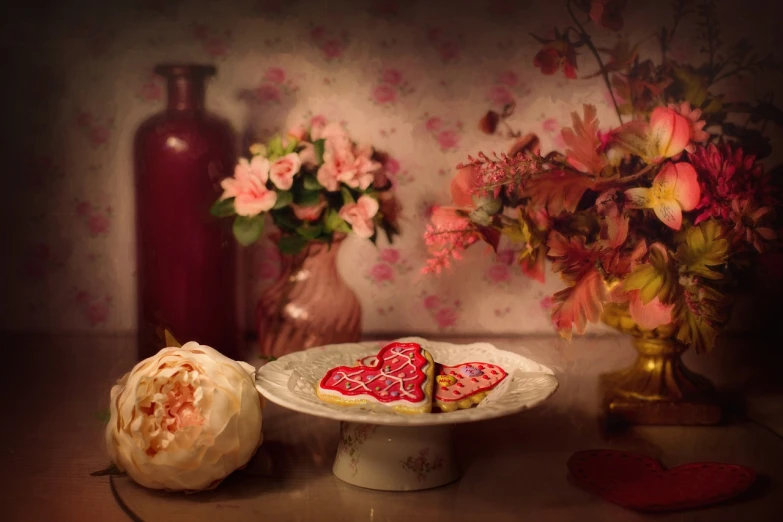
(316, 185)
(661, 214)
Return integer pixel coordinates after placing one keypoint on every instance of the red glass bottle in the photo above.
(186, 259)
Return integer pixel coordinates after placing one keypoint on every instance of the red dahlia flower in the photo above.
(727, 174)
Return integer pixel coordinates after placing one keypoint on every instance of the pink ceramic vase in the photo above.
(309, 305)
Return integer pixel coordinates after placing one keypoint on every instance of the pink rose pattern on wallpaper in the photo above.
(506, 89)
(216, 44)
(151, 89)
(274, 88)
(332, 44)
(94, 309)
(96, 131)
(447, 45)
(447, 134)
(397, 73)
(390, 88)
(389, 265)
(95, 219)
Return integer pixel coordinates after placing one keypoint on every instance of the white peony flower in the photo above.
(184, 419)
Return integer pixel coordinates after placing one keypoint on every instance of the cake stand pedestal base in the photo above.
(396, 458)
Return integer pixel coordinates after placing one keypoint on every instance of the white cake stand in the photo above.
(385, 450)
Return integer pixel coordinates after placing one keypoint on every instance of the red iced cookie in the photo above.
(462, 386)
(401, 378)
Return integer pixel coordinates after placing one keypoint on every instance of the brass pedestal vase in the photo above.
(657, 388)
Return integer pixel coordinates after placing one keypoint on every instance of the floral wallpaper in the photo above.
(413, 78)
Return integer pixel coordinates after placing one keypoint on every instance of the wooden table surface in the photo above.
(54, 389)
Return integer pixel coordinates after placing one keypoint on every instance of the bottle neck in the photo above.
(185, 94)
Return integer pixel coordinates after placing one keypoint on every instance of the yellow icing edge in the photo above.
(464, 404)
(425, 408)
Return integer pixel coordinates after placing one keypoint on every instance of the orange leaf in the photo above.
(577, 305)
(570, 256)
(583, 142)
(533, 264)
(557, 191)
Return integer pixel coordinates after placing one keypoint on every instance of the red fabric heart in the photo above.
(640, 482)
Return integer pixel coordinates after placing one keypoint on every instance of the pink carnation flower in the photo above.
(360, 215)
(284, 169)
(311, 213)
(248, 187)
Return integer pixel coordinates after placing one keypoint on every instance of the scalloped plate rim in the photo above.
(270, 389)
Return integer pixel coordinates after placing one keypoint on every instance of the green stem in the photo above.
(589, 43)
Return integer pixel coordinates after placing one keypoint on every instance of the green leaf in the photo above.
(347, 196)
(223, 208)
(334, 223)
(703, 248)
(111, 469)
(291, 245)
(696, 332)
(310, 232)
(248, 229)
(309, 198)
(171, 341)
(654, 278)
(318, 148)
(284, 198)
(285, 220)
(311, 183)
(274, 148)
(292, 143)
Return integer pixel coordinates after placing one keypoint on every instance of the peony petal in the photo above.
(669, 213)
(651, 315)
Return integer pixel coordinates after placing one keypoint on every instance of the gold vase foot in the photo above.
(659, 389)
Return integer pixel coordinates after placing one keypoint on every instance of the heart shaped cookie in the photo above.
(401, 378)
(641, 483)
(462, 386)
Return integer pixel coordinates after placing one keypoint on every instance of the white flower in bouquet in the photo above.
(184, 419)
